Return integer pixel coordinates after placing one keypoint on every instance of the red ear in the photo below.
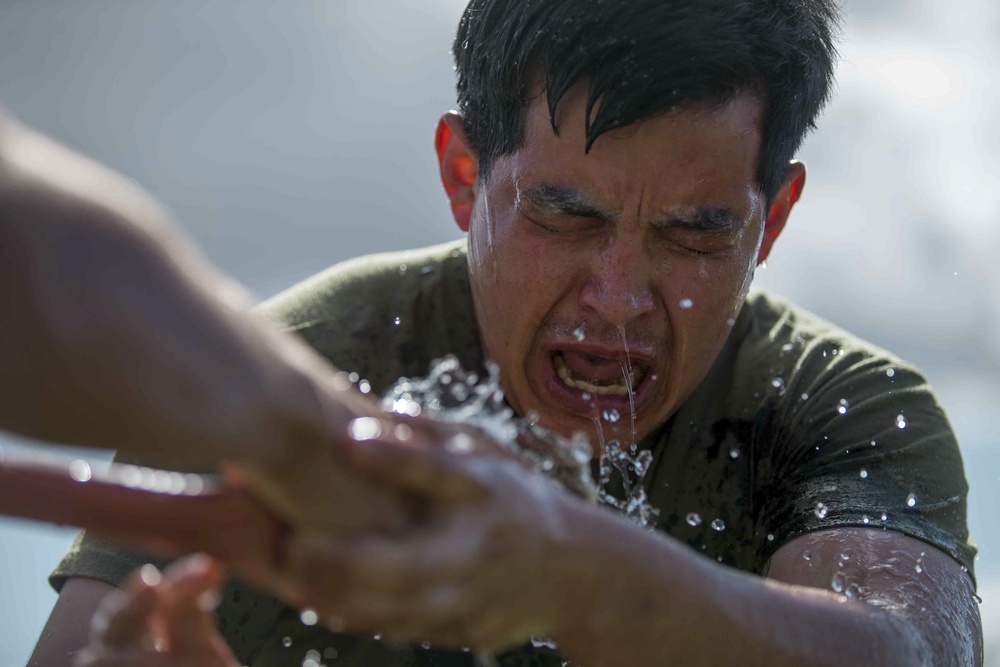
(788, 195)
(459, 167)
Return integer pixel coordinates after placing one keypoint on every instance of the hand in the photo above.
(158, 622)
(482, 570)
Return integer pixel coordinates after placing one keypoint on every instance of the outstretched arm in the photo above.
(529, 559)
(118, 334)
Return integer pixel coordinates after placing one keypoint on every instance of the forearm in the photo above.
(118, 334)
(658, 602)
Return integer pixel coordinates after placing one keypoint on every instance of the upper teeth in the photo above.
(570, 379)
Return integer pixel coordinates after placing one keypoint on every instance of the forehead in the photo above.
(690, 156)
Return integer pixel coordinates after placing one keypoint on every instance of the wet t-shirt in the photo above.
(798, 427)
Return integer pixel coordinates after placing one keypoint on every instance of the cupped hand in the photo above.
(483, 571)
(160, 621)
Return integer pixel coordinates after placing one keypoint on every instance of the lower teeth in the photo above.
(566, 375)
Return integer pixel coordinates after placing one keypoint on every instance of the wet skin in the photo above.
(655, 232)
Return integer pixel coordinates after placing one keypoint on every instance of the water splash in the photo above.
(629, 379)
(611, 416)
(451, 394)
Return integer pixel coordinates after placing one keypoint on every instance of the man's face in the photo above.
(641, 250)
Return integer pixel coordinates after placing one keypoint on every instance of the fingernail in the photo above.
(150, 575)
(195, 563)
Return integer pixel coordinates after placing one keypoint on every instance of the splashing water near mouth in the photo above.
(453, 395)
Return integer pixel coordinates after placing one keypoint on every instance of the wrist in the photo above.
(573, 572)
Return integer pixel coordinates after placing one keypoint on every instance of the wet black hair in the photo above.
(644, 58)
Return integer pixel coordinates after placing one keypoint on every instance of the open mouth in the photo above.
(600, 376)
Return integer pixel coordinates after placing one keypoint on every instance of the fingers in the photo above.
(190, 589)
(123, 618)
(403, 458)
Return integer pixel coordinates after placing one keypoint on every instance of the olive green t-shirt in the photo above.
(798, 426)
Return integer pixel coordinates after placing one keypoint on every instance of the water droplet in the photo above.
(365, 428)
(353, 377)
(821, 511)
(580, 333)
(611, 416)
(842, 406)
(402, 269)
(586, 396)
(312, 658)
(731, 322)
(364, 387)
(734, 453)
(900, 421)
(911, 500)
(543, 642)
(885, 517)
(308, 617)
(778, 383)
(330, 653)
(718, 525)
(686, 304)
(846, 555)
(693, 519)
(286, 642)
(807, 556)
(891, 372)
(377, 636)
(874, 443)
(919, 568)
(865, 520)
(864, 474)
(80, 470)
(770, 537)
(427, 269)
(978, 599)
(804, 397)
(396, 321)
(763, 265)
(839, 582)
(425, 645)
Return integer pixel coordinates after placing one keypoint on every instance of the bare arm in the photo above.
(68, 628)
(524, 558)
(689, 610)
(118, 334)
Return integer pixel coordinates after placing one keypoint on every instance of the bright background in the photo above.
(288, 135)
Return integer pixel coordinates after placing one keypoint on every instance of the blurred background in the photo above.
(286, 136)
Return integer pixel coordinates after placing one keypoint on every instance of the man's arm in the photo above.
(119, 334)
(902, 602)
(530, 559)
(66, 632)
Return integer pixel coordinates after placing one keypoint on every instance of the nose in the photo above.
(618, 288)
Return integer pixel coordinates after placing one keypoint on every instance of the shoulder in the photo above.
(362, 282)
(386, 316)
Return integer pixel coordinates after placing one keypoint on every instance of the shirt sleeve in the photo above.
(860, 440)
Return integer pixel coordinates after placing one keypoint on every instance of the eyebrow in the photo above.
(562, 200)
